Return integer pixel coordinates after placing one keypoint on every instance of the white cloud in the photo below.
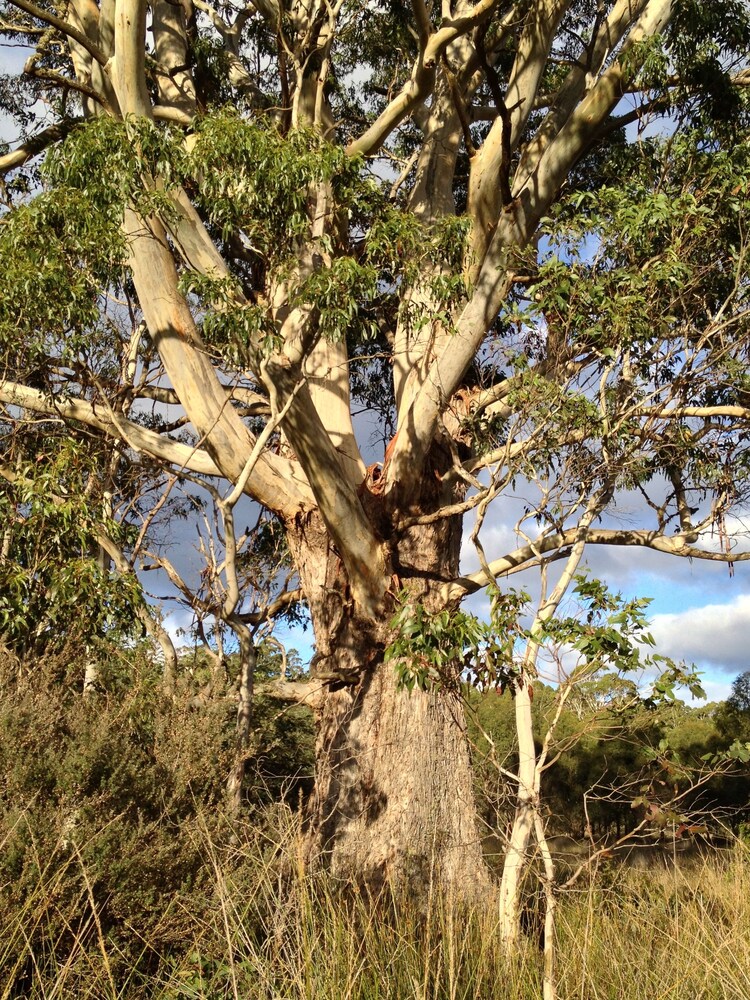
(714, 635)
(177, 623)
(642, 572)
(498, 538)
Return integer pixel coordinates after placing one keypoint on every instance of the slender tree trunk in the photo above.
(523, 821)
(248, 660)
(549, 984)
(90, 674)
(169, 653)
(91, 668)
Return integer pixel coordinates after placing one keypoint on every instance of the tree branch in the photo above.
(138, 438)
(310, 693)
(451, 29)
(36, 144)
(537, 187)
(563, 103)
(68, 84)
(414, 91)
(276, 607)
(674, 545)
(65, 27)
(141, 439)
(422, 17)
(422, 79)
(516, 226)
(253, 403)
(675, 412)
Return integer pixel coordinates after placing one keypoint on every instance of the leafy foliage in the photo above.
(53, 586)
(56, 254)
(446, 649)
(607, 633)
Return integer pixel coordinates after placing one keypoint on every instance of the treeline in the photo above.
(617, 757)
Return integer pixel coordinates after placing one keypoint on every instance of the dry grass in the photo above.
(272, 930)
(663, 934)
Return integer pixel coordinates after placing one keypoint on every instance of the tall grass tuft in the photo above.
(665, 934)
(264, 926)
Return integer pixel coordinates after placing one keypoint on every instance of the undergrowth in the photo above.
(124, 877)
(261, 925)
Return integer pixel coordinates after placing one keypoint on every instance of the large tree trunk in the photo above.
(394, 799)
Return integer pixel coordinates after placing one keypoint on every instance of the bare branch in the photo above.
(674, 545)
(65, 27)
(139, 438)
(310, 693)
(276, 607)
(678, 412)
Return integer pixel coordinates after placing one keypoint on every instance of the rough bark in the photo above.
(393, 795)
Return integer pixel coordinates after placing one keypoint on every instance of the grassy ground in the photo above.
(260, 926)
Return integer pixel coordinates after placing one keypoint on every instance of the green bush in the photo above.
(107, 803)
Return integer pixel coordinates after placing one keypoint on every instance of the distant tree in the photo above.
(739, 699)
(733, 718)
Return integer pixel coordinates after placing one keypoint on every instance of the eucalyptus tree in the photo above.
(449, 216)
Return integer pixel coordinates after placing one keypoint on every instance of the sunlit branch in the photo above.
(422, 79)
(676, 412)
(452, 29)
(36, 144)
(674, 545)
(139, 438)
(278, 606)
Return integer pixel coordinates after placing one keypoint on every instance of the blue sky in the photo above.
(700, 612)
